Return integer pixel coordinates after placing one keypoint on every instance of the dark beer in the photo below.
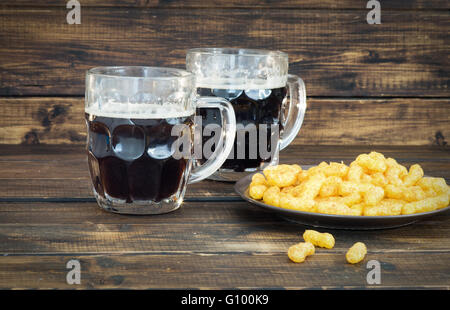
(130, 160)
(253, 106)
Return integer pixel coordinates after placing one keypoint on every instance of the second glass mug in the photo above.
(131, 114)
(262, 93)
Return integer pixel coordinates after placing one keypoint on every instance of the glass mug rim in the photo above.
(147, 73)
(239, 52)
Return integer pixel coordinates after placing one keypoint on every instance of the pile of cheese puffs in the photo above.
(372, 185)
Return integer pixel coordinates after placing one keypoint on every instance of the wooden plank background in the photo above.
(366, 84)
(304, 4)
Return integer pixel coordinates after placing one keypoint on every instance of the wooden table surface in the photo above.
(48, 216)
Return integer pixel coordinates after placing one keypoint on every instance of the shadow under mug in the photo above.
(269, 103)
(131, 115)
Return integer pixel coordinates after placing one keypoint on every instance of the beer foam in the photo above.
(139, 110)
(241, 84)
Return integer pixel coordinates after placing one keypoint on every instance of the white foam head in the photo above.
(229, 68)
(140, 92)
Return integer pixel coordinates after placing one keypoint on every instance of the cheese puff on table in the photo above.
(298, 252)
(356, 253)
(323, 240)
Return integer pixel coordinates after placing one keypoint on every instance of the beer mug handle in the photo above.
(225, 143)
(292, 122)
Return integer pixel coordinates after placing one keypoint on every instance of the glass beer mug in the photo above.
(269, 103)
(134, 117)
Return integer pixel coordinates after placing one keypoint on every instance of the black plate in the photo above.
(334, 221)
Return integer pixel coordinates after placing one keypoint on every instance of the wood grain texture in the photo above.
(221, 245)
(398, 121)
(269, 4)
(197, 227)
(336, 52)
(39, 172)
(204, 244)
(229, 271)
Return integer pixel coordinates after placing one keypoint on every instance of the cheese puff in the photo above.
(395, 192)
(287, 190)
(332, 198)
(323, 240)
(440, 186)
(331, 207)
(433, 185)
(317, 169)
(348, 187)
(356, 253)
(430, 193)
(378, 179)
(390, 162)
(372, 162)
(272, 196)
(426, 205)
(393, 175)
(373, 195)
(295, 203)
(358, 208)
(402, 171)
(365, 178)
(354, 173)
(298, 190)
(377, 156)
(335, 169)
(351, 199)
(413, 193)
(281, 175)
(301, 177)
(298, 252)
(296, 168)
(414, 175)
(259, 178)
(330, 186)
(385, 207)
(425, 183)
(256, 191)
(312, 186)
